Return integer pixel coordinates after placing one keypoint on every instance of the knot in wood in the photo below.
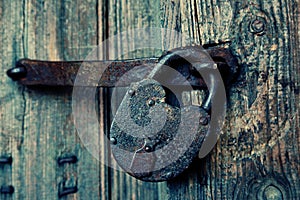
(272, 192)
(258, 26)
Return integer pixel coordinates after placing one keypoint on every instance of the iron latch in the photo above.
(166, 148)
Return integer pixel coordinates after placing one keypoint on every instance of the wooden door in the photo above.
(257, 155)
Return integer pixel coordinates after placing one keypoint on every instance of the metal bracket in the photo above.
(63, 73)
(67, 159)
(7, 189)
(6, 160)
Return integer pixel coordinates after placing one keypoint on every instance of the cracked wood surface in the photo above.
(257, 155)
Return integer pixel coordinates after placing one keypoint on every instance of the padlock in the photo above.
(154, 137)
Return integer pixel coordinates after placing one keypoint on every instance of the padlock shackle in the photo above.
(195, 59)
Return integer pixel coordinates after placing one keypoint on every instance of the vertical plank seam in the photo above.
(23, 87)
(197, 22)
(104, 97)
(107, 107)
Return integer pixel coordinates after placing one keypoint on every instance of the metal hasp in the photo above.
(149, 150)
(135, 143)
(63, 73)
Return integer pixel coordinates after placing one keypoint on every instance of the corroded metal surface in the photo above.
(60, 73)
(141, 153)
(157, 146)
(63, 73)
(143, 147)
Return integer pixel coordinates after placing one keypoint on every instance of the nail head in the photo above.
(148, 148)
(131, 92)
(113, 140)
(203, 121)
(17, 73)
(151, 102)
(257, 26)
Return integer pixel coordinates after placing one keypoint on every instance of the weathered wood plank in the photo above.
(12, 102)
(55, 31)
(261, 135)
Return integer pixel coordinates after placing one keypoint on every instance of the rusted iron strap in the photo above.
(63, 73)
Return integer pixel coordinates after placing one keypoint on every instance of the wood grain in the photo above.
(261, 133)
(257, 156)
(37, 124)
(12, 101)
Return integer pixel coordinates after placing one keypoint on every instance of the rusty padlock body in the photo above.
(143, 155)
